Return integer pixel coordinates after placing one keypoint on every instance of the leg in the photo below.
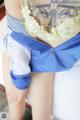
(41, 95)
(16, 60)
(15, 96)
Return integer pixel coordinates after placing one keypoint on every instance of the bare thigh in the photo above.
(41, 95)
(10, 88)
(16, 97)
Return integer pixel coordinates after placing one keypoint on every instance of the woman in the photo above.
(30, 55)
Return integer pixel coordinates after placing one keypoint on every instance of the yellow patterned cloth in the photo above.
(57, 35)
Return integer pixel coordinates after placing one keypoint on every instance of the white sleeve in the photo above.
(20, 57)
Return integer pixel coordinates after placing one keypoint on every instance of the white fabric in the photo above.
(20, 57)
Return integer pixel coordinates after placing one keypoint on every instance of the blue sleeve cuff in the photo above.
(21, 81)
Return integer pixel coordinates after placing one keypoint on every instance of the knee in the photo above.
(16, 98)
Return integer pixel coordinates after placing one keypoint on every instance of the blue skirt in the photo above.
(47, 59)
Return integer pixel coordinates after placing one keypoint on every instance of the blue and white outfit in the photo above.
(30, 55)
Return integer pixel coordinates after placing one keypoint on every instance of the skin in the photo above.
(13, 7)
